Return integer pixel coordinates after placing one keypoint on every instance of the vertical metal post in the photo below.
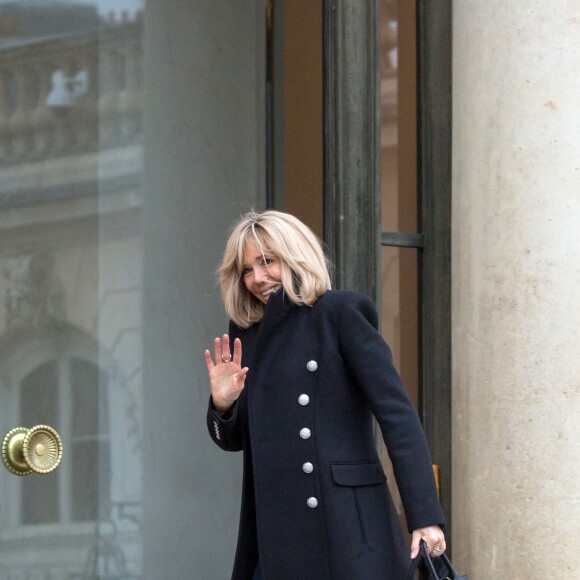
(351, 143)
(435, 38)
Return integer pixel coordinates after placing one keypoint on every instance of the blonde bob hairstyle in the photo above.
(304, 269)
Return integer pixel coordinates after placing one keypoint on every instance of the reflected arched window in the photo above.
(71, 393)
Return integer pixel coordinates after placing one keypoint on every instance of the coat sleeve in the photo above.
(370, 362)
(224, 428)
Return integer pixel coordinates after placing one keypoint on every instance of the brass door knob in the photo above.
(38, 450)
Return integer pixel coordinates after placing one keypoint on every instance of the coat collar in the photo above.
(278, 304)
(278, 308)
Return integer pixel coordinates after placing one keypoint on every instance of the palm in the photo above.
(224, 379)
(226, 376)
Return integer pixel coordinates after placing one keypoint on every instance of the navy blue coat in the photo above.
(333, 353)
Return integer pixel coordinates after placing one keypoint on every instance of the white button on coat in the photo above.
(304, 399)
(305, 433)
(308, 467)
(311, 365)
(312, 502)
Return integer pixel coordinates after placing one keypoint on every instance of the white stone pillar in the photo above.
(516, 288)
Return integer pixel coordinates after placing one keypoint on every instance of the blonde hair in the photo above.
(303, 265)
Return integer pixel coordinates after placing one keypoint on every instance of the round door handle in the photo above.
(38, 450)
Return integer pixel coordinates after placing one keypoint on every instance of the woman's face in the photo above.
(261, 273)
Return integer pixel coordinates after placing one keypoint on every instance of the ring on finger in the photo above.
(437, 551)
(226, 360)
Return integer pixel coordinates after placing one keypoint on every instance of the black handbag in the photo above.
(438, 568)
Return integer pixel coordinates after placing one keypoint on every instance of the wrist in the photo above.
(221, 406)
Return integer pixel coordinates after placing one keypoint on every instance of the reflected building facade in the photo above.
(71, 157)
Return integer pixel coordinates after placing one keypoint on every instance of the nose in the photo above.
(260, 274)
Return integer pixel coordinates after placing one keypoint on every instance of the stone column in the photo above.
(516, 284)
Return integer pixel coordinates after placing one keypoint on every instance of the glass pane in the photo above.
(91, 485)
(399, 173)
(398, 115)
(89, 399)
(399, 325)
(400, 313)
(203, 164)
(39, 400)
(297, 115)
(39, 502)
(124, 158)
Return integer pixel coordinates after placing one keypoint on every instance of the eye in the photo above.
(246, 272)
(267, 261)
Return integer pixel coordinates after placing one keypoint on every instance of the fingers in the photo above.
(435, 547)
(226, 352)
(440, 548)
(415, 544)
(240, 376)
(221, 348)
(434, 538)
(223, 353)
(217, 349)
(208, 361)
(238, 352)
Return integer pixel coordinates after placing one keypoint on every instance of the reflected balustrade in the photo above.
(69, 95)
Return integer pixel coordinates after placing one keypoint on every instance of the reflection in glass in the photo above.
(399, 312)
(39, 396)
(399, 266)
(89, 443)
(39, 502)
(399, 326)
(71, 137)
(398, 115)
(89, 400)
(82, 225)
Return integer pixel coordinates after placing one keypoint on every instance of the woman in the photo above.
(299, 400)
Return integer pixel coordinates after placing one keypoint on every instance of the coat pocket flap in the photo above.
(357, 474)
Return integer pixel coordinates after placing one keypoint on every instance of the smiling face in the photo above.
(261, 272)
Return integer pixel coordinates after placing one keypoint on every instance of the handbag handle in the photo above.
(424, 554)
(452, 573)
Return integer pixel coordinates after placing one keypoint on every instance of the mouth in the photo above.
(270, 291)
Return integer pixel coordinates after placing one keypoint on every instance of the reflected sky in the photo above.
(23, 21)
(104, 7)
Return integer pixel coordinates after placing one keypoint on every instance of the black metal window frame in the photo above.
(434, 139)
(402, 240)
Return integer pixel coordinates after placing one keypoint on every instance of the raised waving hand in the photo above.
(226, 376)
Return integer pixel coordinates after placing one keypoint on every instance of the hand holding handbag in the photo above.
(439, 568)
